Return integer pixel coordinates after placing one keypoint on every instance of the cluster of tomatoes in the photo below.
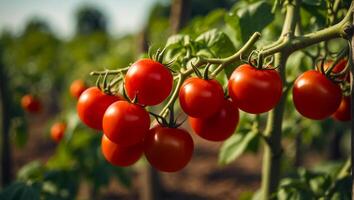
(213, 116)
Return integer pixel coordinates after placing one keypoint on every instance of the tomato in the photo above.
(200, 98)
(91, 106)
(338, 68)
(57, 131)
(255, 91)
(125, 123)
(118, 155)
(149, 80)
(76, 88)
(344, 109)
(168, 149)
(219, 126)
(31, 104)
(315, 96)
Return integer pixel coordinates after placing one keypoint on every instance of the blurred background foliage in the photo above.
(37, 61)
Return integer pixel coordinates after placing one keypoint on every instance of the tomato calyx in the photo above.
(171, 122)
(257, 60)
(158, 57)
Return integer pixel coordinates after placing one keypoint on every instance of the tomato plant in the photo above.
(92, 105)
(255, 90)
(315, 96)
(282, 40)
(168, 149)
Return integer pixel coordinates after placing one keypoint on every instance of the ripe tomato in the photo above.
(125, 123)
(315, 96)
(200, 98)
(118, 155)
(219, 126)
(91, 106)
(57, 131)
(76, 88)
(168, 149)
(343, 111)
(338, 68)
(149, 80)
(255, 91)
(31, 104)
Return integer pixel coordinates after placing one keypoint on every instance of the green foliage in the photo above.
(314, 185)
(247, 18)
(246, 137)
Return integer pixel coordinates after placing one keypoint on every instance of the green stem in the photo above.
(109, 72)
(272, 152)
(293, 43)
(223, 62)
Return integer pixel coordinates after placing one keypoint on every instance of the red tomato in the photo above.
(168, 149)
(118, 155)
(343, 111)
(315, 96)
(125, 123)
(149, 80)
(76, 88)
(31, 104)
(219, 126)
(255, 91)
(91, 106)
(200, 98)
(57, 131)
(338, 68)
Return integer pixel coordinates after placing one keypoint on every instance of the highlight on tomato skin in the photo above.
(77, 87)
(31, 104)
(255, 90)
(91, 106)
(219, 126)
(145, 76)
(125, 123)
(118, 155)
(315, 96)
(343, 113)
(57, 131)
(168, 149)
(200, 98)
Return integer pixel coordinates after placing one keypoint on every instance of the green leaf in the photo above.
(217, 43)
(233, 147)
(247, 19)
(31, 171)
(20, 191)
(178, 40)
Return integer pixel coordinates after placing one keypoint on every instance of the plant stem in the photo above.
(343, 29)
(223, 62)
(272, 153)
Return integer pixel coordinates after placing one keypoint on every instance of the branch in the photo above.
(290, 44)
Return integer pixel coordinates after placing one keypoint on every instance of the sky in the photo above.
(125, 16)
